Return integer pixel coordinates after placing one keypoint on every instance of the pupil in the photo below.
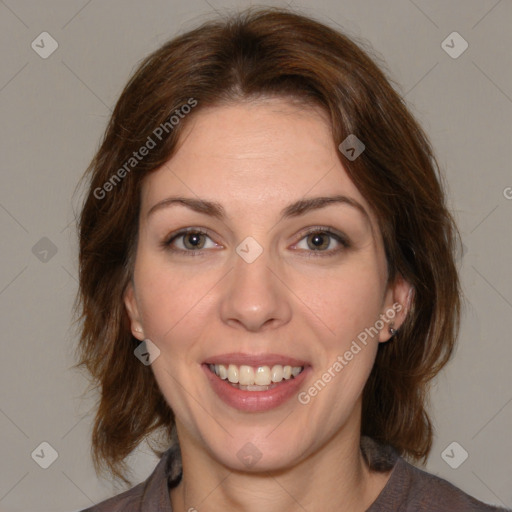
(194, 240)
(318, 240)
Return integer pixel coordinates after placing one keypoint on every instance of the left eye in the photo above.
(320, 241)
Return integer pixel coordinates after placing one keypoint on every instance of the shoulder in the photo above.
(418, 491)
(150, 495)
(128, 501)
(411, 489)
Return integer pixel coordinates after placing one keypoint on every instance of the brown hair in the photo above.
(254, 54)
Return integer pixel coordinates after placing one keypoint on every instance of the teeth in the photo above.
(221, 371)
(246, 376)
(233, 373)
(276, 373)
(250, 378)
(262, 376)
(296, 370)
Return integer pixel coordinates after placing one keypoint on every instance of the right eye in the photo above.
(189, 241)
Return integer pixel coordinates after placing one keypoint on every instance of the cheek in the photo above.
(348, 303)
(154, 300)
(173, 302)
(345, 301)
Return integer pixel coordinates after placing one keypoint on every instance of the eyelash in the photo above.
(166, 244)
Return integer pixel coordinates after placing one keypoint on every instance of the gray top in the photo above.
(408, 489)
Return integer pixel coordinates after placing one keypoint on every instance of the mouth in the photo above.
(260, 378)
(255, 384)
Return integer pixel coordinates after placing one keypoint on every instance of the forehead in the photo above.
(259, 155)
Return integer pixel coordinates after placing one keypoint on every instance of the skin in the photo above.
(255, 158)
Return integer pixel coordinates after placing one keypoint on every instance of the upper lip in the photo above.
(239, 358)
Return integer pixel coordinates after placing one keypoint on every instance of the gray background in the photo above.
(53, 114)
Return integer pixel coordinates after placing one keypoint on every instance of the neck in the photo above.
(334, 478)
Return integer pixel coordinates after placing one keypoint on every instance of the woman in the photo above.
(267, 277)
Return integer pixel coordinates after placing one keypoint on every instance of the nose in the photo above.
(254, 297)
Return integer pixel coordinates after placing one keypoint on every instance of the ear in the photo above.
(397, 303)
(130, 302)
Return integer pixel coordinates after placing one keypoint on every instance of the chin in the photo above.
(255, 450)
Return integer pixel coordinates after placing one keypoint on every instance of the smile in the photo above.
(253, 386)
(259, 378)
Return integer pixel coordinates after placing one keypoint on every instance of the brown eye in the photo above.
(318, 241)
(193, 240)
(322, 242)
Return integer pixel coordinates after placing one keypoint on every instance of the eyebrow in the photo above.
(296, 209)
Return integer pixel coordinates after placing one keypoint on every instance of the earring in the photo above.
(392, 330)
(138, 329)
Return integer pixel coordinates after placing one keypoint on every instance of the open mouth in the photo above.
(256, 383)
(250, 378)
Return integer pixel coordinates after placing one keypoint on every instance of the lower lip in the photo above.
(255, 401)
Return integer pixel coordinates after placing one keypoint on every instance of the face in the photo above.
(281, 269)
